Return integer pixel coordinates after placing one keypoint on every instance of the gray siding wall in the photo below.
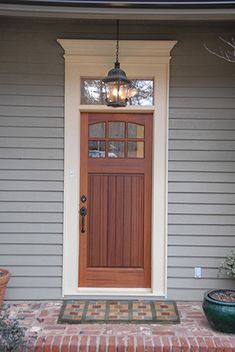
(201, 152)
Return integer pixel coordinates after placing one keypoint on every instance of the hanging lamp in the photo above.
(116, 83)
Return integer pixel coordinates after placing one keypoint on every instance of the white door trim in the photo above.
(140, 59)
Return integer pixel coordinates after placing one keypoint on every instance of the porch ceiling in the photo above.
(133, 9)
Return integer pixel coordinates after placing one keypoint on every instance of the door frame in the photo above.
(140, 59)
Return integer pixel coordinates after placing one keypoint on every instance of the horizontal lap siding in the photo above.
(31, 161)
(201, 207)
(201, 152)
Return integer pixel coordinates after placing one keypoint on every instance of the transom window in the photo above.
(116, 140)
(93, 93)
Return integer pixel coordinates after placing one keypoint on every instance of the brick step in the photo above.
(136, 343)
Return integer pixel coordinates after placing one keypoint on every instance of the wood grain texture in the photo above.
(116, 220)
(115, 250)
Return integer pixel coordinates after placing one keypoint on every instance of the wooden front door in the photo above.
(115, 200)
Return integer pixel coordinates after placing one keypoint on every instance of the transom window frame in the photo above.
(140, 59)
(83, 79)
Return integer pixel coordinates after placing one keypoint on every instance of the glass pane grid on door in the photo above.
(116, 139)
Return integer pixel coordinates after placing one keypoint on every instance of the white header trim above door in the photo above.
(140, 59)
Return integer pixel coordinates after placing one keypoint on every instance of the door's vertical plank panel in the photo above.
(127, 230)
(103, 220)
(111, 221)
(141, 219)
(137, 220)
(93, 216)
(97, 234)
(115, 236)
(119, 220)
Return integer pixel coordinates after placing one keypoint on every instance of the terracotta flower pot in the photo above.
(4, 278)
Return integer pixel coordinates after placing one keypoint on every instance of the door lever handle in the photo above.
(83, 212)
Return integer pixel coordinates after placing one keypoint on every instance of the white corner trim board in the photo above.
(140, 59)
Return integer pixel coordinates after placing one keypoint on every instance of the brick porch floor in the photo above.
(192, 334)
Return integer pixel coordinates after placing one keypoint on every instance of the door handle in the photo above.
(83, 212)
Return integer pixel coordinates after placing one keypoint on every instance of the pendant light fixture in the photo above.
(116, 83)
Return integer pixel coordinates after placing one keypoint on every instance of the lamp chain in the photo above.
(117, 39)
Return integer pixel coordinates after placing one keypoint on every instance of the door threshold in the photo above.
(127, 292)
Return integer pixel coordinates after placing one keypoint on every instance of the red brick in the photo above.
(74, 344)
(92, 342)
(218, 344)
(163, 331)
(139, 344)
(83, 344)
(185, 347)
(130, 344)
(193, 344)
(210, 344)
(120, 344)
(228, 344)
(148, 344)
(232, 341)
(157, 344)
(102, 344)
(111, 343)
(176, 346)
(72, 330)
(48, 342)
(166, 344)
(56, 344)
(43, 313)
(65, 344)
(227, 347)
(40, 344)
(202, 345)
(86, 331)
(54, 327)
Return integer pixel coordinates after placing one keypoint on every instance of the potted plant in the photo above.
(219, 305)
(4, 278)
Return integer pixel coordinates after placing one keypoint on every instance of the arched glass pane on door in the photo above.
(97, 130)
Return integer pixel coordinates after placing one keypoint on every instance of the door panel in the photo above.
(116, 220)
(97, 220)
(116, 157)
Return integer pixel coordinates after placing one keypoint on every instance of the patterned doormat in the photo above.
(131, 311)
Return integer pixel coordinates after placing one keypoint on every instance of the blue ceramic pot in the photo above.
(220, 313)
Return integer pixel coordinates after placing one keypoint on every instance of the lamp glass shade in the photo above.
(117, 87)
(116, 93)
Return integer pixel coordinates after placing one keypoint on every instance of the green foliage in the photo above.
(12, 334)
(228, 264)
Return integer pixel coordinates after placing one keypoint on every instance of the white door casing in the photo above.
(139, 59)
